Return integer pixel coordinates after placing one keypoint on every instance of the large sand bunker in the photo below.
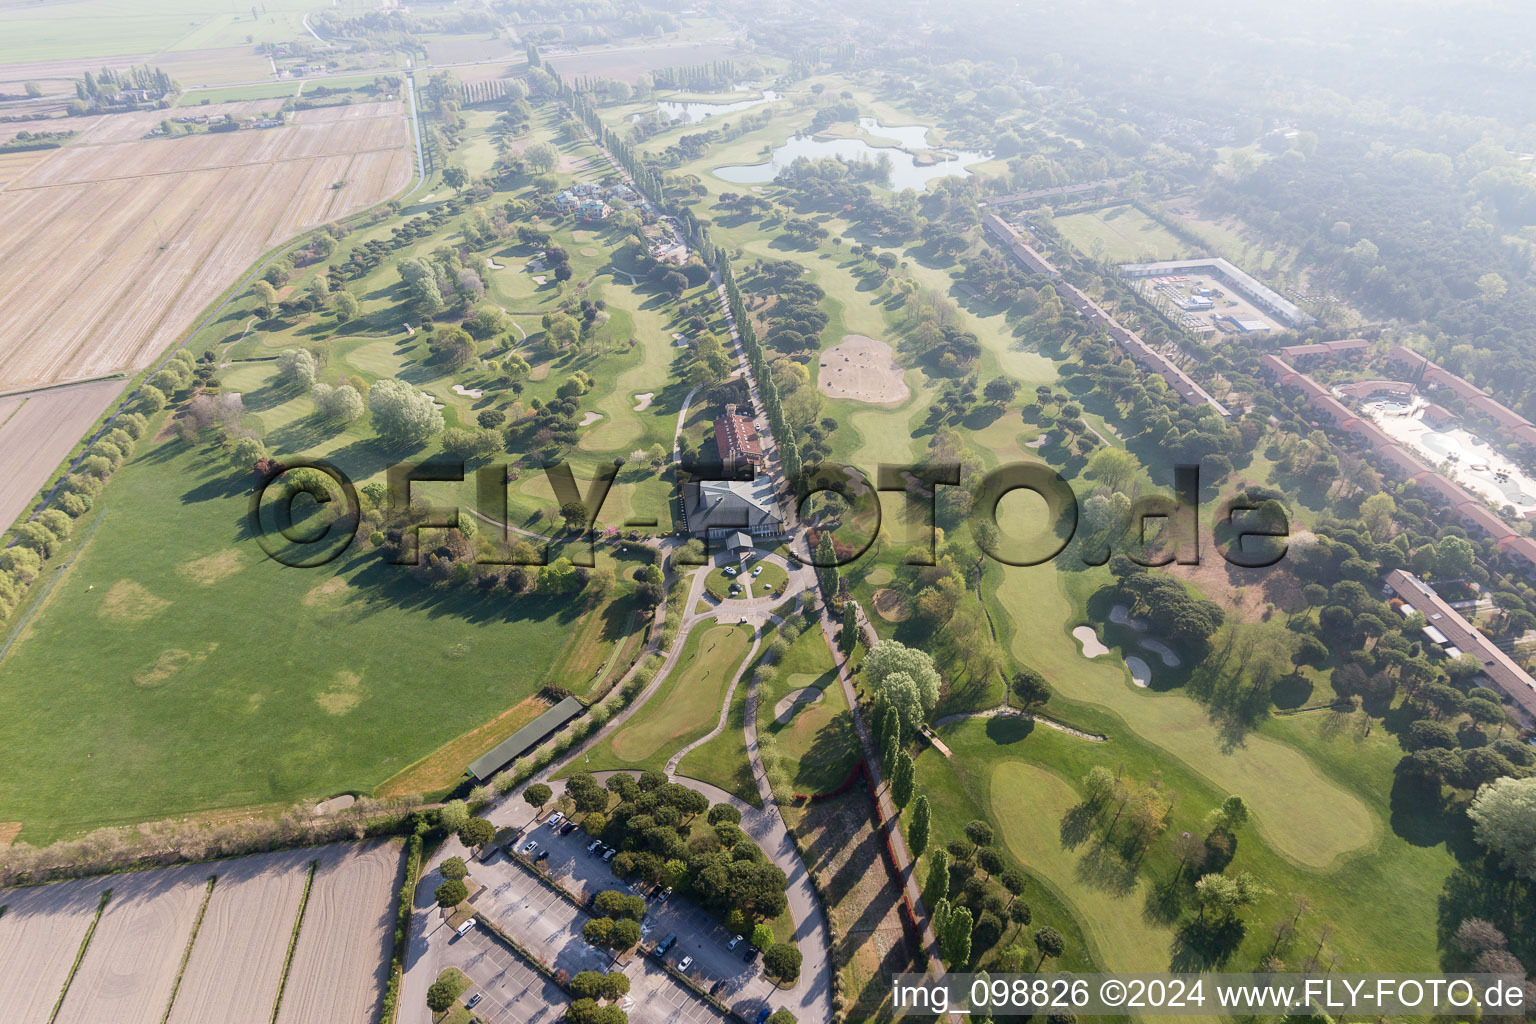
(863, 370)
(1086, 636)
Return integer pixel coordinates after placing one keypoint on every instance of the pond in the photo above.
(693, 113)
(906, 171)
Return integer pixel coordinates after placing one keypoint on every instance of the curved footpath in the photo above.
(810, 998)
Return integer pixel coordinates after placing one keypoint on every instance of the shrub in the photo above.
(782, 961)
(22, 563)
(451, 893)
(440, 996)
(37, 537)
(151, 398)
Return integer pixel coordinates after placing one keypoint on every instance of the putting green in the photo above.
(1301, 813)
(688, 705)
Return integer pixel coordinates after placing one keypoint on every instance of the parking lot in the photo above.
(548, 926)
(510, 991)
(738, 983)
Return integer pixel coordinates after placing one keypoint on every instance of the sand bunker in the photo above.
(1038, 442)
(1141, 672)
(1120, 615)
(494, 265)
(643, 401)
(334, 805)
(590, 418)
(889, 605)
(1090, 641)
(862, 370)
(540, 279)
(786, 709)
(1162, 651)
(460, 389)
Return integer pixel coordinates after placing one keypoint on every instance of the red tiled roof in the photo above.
(736, 435)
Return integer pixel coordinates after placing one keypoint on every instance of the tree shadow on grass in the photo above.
(1077, 825)
(303, 434)
(1002, 729)
(1165, 902)
(1201, 945)
(1105, 868)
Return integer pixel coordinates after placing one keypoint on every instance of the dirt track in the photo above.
(40, 933)
(341, 964)
(235, 966)
(130, 967)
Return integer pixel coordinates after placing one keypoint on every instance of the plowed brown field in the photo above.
(235, 966)
(341, 963)
(40, 933)
(113, 245)
(129, 968)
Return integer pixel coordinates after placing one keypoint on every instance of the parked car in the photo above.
(555, 820)
(749, 955)
(687, 962)
(730, 570)
(609, 855)
(665, 944)
(543, 855)
(594, 844)
(734, 942)
(763, 1015)
(568, 828)
(530, 846)
(756, 571)
(470, 1003)
(665, 893)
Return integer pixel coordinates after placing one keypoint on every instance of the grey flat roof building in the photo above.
(525, 739)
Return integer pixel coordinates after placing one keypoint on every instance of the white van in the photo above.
(466, 926)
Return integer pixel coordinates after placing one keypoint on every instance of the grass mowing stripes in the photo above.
(197, 926)
(293, 941)
(75, 967)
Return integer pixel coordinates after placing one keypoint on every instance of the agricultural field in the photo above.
(130, 966)
(171, 223)
(341, 962)
(38, 430)
(630, 62)
(237, 961)
(41, 932)
(89, 30)
(201, 942)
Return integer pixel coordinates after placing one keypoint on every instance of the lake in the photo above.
(906, 172)
(693, 113)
